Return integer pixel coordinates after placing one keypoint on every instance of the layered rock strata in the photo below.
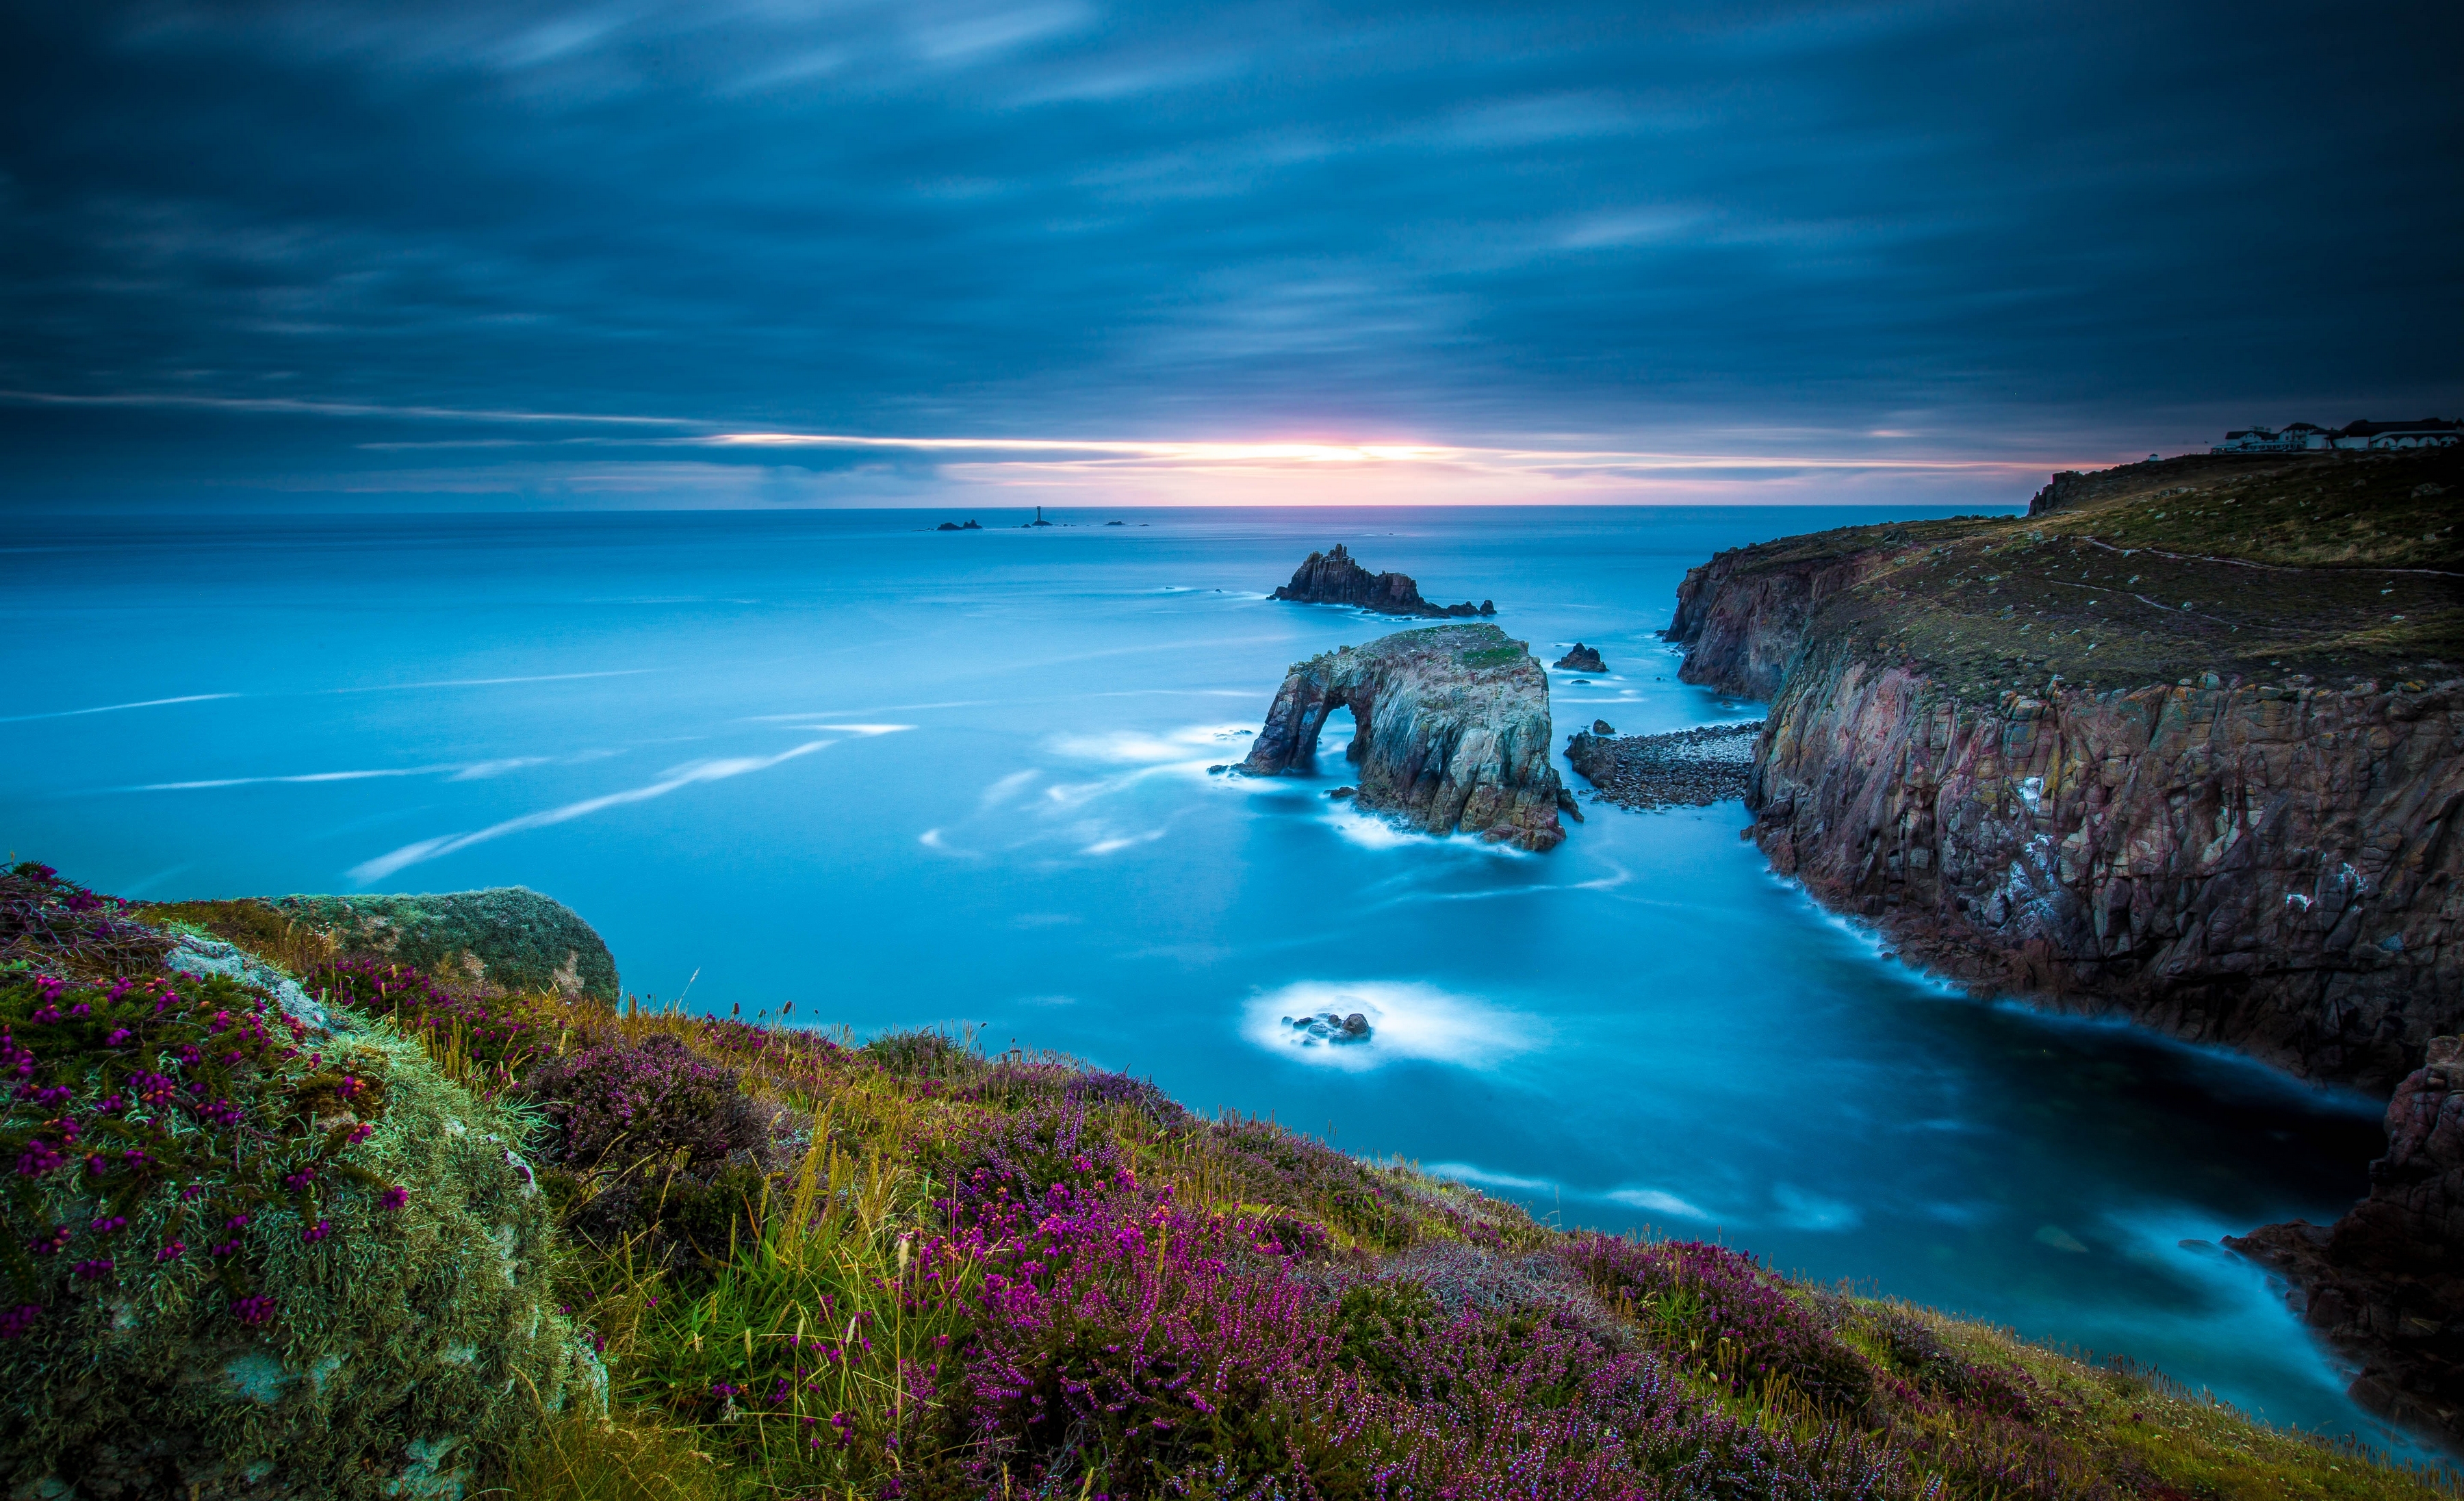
(1689, 768)
(2186, 742)
(2070, 757)
(2387, 1281)
(1333, 578)
(1453, 731)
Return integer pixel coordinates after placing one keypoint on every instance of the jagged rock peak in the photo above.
(1333, 577)
(1454, 731)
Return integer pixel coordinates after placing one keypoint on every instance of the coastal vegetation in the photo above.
(607, 1251)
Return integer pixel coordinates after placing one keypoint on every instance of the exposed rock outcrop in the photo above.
(2203, 833)
(1333, 578)
(1583, 659)
(1454, 731)
(2387, 1281)
(1689, 768)
(507, 937)
(2187, 743)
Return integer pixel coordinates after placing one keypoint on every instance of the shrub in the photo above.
(923, 1053)
(630, 1107)
(1720, 1312)
(494, 1030)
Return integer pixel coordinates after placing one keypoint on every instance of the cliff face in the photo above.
(1454, 731)
(2387, 1281)
(2264, 866)
(1333, 578)
(2187, 743)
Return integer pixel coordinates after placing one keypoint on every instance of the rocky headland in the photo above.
(1454, 731)
(1333, 578)
(1687, 768)
(2185, 743)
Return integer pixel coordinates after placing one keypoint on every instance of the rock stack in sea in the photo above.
(1453, 734)
(1333, 578)
(1583, 659)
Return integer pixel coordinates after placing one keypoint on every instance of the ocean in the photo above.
(901, 777)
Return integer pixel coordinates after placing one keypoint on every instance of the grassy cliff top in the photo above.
(909, 1269)
(2343, 568)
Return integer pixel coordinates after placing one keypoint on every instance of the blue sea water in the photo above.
(904, 777)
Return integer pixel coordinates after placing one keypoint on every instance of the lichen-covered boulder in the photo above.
(507, 937)
(247, 1254)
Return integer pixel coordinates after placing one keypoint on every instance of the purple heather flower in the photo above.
(111, 1225)
(316, 1232)
(397, 1196)
(237, 1222)
(56, 1240)
(173, 1252)
(17, 1320)
(119, 1038)
(39, 1158)
(254, 1309)
(93, 1271)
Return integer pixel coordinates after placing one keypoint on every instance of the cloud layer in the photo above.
(576, 253)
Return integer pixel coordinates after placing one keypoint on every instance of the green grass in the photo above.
(842, 1246)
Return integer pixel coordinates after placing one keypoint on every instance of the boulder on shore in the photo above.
(2386, 1283)
(1454, 731)
(1333, 578)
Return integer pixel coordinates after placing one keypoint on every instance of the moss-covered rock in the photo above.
(507, 936)
(250, 1255)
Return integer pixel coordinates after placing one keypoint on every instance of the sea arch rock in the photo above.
(1454, 731)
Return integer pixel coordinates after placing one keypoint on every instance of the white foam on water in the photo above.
(1483, 1178)
(1800, 1210)
(1407, 1021)
(1114, 843)
(1658, 1201)
(1006, 788)
(1373, 830)
(1133, 746)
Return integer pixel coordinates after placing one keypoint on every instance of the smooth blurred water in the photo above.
(902, 777)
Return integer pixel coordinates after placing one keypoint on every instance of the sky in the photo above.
(997, 252)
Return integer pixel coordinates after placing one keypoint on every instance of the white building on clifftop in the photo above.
(2304, 436)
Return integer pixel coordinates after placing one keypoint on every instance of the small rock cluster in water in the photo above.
(1687, 768)
(1330, 1028)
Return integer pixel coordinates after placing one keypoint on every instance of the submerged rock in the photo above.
(2386, 1283)
(1583, 659)
(1454, 731)
(1333, 578)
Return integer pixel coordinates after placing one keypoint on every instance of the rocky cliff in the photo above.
(1333, 578)
(2186, 744)
(1454, 731)
(2387, 1281)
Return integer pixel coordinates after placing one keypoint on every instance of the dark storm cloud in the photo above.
(2001, 230)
